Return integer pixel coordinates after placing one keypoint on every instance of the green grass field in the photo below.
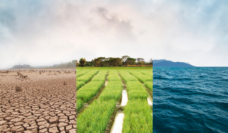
(100, 88)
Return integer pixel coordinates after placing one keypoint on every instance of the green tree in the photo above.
(97, 62)
(82, 62)
(130, 61)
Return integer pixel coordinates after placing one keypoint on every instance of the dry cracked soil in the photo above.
(44, 102)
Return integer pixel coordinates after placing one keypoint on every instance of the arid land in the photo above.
(38, 101)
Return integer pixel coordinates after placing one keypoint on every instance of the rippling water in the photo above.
(190, 100)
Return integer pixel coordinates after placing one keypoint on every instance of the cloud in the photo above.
(115, 21)
(47, 32)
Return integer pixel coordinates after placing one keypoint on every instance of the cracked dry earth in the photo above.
(44, 105)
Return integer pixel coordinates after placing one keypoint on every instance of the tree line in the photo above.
(98, 62)
(107, 62)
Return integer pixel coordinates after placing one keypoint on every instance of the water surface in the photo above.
(190, 100)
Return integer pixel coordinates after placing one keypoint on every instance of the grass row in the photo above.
(112, 91)
(113, 76)
(86, 77)
(88, 91)
(147, 72)
(95, 118)
(126, 76)
(80, 84)
(97, 115)
(143, 78)
(137, 117)
(80, 73)
(149, 85)
(137, 112)
(136, 90)
(79, 104)
(100, 76)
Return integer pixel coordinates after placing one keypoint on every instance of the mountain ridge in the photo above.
(168, 63)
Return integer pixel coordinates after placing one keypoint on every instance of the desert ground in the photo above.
(38, 101)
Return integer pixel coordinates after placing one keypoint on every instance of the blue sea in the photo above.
(190, 100)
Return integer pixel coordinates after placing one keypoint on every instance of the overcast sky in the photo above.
(47, 32)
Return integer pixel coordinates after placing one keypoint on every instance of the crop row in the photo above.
(113, 76)
(147, 72)
(138, 117)
(112, 91)
(136, 90)
(137, 112)
(100, 76)
(149, 85)
(80, 84)
(143, 78)
(79, 104)
(87, 92)
(88, 76)
(126, 76)
(80, 73)
(95, 118)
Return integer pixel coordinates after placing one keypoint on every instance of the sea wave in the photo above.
(190, 100)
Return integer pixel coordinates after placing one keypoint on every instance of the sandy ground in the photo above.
(45, 104)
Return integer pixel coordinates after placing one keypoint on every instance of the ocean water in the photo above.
(190, 100)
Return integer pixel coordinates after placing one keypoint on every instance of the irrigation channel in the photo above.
(112, 101)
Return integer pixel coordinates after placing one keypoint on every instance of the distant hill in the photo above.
(61, 65)
(25, 66)
(167, 63)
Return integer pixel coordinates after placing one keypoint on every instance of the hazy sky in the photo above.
(45, 32)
